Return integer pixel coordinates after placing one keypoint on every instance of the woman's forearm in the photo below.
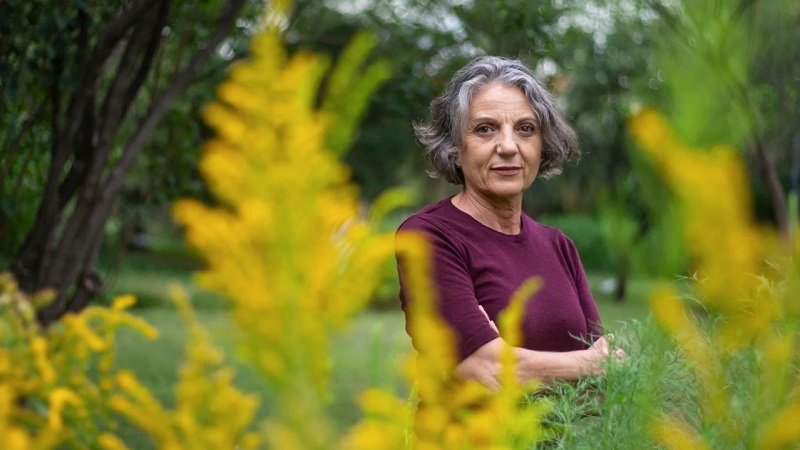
(544, 366)
(484, 364)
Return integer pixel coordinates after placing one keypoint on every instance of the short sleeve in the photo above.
(594, 324)
(457, 302)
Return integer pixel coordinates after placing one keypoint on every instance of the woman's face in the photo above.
(502, 145)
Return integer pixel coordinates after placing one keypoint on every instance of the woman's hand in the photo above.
(597, 354)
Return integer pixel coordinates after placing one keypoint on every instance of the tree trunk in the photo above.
(622, 272)
(769, 176)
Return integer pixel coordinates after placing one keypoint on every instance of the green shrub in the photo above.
(585, 232)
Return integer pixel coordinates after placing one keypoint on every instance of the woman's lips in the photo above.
(506, 171)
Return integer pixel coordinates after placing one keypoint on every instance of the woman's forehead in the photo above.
(499, 99)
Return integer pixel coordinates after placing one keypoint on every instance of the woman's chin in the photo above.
(508, 194)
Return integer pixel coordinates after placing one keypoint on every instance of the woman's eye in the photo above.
(483, 129)
(527, 128)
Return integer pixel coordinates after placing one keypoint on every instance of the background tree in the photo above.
(758, 89)
(85, 86)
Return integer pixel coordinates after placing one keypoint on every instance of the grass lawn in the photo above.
(368, 353)
(635, 305)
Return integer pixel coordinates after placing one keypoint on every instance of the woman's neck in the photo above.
(502, 215)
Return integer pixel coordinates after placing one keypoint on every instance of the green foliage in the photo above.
(704, 56)
(346, 93)
(46, 52)
(586, 232)
(616, 412)
(37, 42)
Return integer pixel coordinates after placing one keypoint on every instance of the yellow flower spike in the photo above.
(431, 421)
(414, 248)
(783, 430)
(15, 439)
(108, 441)
(251, 441)
(180, 298)
(470, 394)
(455, 436)
(39, 350)
(222, 165)
(457, 414)
(60, 397)
(676, 435)
(371, 435)
(155, 425)
(482, 428)
(226, 121)
(698, 177)
(736, 284)
(123, 302)
(269, 159)
(128, 383)
(510, 330)
(148, 331)
(237, 95)
(77, 323)
(42, 298)
(378, 402)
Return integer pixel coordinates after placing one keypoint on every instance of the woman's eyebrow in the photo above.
(492, 119)
(478, 119)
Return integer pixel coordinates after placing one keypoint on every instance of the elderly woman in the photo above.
(494, 130)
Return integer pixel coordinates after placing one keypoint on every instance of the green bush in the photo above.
(585, 232)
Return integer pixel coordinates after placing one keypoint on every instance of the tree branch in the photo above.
(106, 42)
(91, 220)
(179, 84)
(124, 85)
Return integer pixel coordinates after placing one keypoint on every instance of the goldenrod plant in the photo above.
(739, 332)
(210, 412)
(55, 382)
(747, 286)
(288, 243)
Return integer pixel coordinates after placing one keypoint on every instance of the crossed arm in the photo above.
(484, 365)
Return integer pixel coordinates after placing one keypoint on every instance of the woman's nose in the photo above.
(507, 143)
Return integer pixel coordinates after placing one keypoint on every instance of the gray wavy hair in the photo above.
(442, 137)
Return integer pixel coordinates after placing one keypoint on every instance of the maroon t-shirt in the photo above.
(476, 265)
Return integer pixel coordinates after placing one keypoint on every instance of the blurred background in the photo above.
(89, 169)
(101, 129)
(599, 58)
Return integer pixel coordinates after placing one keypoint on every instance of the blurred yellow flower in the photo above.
(289, 245)
(743, 283)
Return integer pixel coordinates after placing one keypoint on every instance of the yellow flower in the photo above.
(712, 190)
(783, 429)
(110, 442)
(39, 349)
(60, 397)
(743, 294)
(675, 435)
(288, 246)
